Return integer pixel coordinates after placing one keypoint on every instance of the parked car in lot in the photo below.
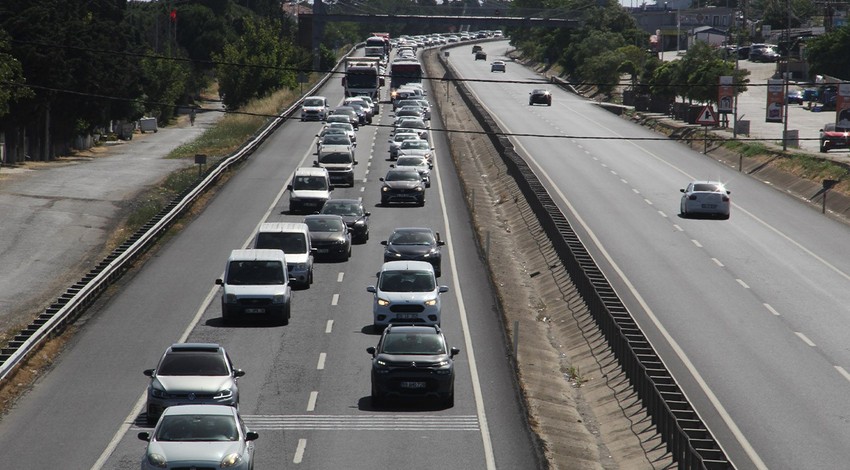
(255, 283)
(834, 137)
(402, 185)
(199, 437)
(763, 53)
(415, 244)
(497, 66)
(540, 96)
(794, 96)
(200, 373)
(406, 292)
(705, 198)
(330, 236)
(355, 217)
(413, 361)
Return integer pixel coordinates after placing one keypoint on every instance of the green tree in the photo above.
(827, 54)
(11, 78)
(164, 82)
(256, 63)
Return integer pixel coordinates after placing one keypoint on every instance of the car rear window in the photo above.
(192, 363)
(407, 281)
(407, 343)
(708, 188)
(255, 273)
(288, 242)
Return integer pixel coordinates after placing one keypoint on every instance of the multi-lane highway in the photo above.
(750, 313)
(306, 388)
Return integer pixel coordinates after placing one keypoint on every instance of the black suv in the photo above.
(415, 243)
(413, 360)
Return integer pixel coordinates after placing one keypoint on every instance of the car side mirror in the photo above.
(219, 282)
(728, 192)
(238, 373)
(145, 436)
(251, 436)
(370, 289)
(444, 289)
(384, 243)
(148, 372)
(371, 350)
(315, 163)
(392, 165)
(289, 187)
(381, 179)
(455, 351)
(682, 190)
(367, 213)
(313, 251)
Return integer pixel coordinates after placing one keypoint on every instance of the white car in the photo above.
(406, 292)
(419, 148)
(255, 283)
(199, 436)
(705, 198)
(314, 108)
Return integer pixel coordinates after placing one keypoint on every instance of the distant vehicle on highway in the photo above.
(352, 212)
(330, 236)
(402, 185)
(497, 66)
(705, 198)
(417, 244)
(406, 292)
(480, 55)
(540, 96)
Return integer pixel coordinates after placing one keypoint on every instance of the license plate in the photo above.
(407, 316)
(255, 310)
(412, 385)
(322, 250)
(709, 206)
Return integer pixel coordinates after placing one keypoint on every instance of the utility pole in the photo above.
(787, 72)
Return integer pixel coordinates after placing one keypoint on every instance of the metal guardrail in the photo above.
(84, 292)
(689, 441)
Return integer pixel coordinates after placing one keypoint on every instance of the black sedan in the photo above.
(329, 236)
(402, 185)
(540, 96)
(351, 211)
(415, 244)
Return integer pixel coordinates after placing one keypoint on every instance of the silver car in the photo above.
(420, 148)
(398, 138)
(191, 373)
(199, 436)
(407, 292)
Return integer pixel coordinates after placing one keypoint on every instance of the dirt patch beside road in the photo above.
(579, 403)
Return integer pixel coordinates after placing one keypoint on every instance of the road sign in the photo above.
(707, 117)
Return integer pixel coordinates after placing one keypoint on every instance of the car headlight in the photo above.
(279, 298)
(158, 392)
(431, 302)
(419, 188)
(360, 222)
(230, 298)
(426, 255)
(157, 460)
(383, 302)
(231, 460)
(385, 188)
(397, 255)
(223, 394)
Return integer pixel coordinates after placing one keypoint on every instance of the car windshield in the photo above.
(406, 343)
(341, 125)
(323, 224)
(415, 144)
(255, 273)
(401, 137)
(197, 428)
(404, 103)
(342, 208)
(288, 242)
(310, 183)
(192, 363)
(412, 123)
(411, 238)
(336, 139)
(403, 176)
(339, 118)
(411, 161)
(424, 104)
(407, 281)
(335, 157)
(314, 102)
(707, 188)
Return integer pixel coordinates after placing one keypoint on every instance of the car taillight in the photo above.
(725, 198)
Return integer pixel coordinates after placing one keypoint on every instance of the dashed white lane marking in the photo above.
(678, 227)
(363, 188)
(648, 201)
(717, 262)
(662, 214)
(321, 364)
(299, 451)
(742, 283)
(339, 277)
(335, 299)
(697, 243)
(805, 339)
(635, 190)
(843, 372)
(623, 181)
(614, 173)
(382, 422)
(311, 402)
(771, 309)
(329, 326)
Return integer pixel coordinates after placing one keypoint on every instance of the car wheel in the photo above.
(377, 399)
(422, 203)
(310, 277)
(822, 148)
(449, 400)
(531, 103)
(287, 313)
(226, 315)
(384, 202)
(151, 419)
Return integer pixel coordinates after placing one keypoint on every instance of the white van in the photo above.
(314, 108)
(310, 189)
(255, 282)
(294, 239)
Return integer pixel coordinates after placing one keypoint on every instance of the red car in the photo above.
(834, 137)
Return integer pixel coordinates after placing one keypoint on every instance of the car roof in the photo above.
(407, 266)
(283, 227)
(195, 347)
(253, 254)
(412, 229)
(323, 217)
(402, 328)
(343, 201)
(223, 410)
(311, 171)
